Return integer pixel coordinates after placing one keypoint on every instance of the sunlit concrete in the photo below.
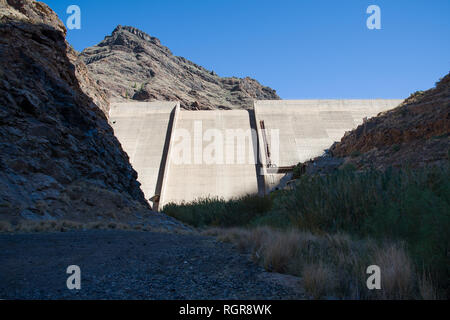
(274, 136)
(229, 175)
(305, 128)
(143, 129)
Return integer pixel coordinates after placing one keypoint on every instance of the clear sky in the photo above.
(303, 49)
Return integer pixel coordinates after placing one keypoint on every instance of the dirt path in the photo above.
(130, 265)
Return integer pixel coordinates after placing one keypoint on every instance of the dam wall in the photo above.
(300, 130)
(184, 155)
(144, 130)
(215, 163)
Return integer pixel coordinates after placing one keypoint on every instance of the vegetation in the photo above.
(355, 154)
(217, 212)
(396, 147)
(28, 226)
(398, 206)
(298, 171)
(331, 266)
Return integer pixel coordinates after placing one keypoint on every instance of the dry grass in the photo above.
(5, 227)
(397, 272)
(46, 226)
(330, 265)
(67, 225)
(318, 280)
(279, 251)
(426, 288)
(237, 237)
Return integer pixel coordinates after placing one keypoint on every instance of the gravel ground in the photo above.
(130, 265)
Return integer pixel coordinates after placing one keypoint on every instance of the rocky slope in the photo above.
(415, 133)
(133, 65)
(59, 157)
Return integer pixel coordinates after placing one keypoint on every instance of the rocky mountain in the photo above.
(59, 157)
(131, 64)
(415, 133)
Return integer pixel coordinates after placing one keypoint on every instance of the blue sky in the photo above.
(303, 49)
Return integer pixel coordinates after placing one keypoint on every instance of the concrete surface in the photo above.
(234, 176)
(143, 129)
(305, 128)
(184, 155)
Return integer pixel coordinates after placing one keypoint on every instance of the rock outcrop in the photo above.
(131, 64)
(416, 133)
(59, 157)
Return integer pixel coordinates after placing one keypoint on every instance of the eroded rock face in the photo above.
(415, 133)
(131, 64)
(58, 155)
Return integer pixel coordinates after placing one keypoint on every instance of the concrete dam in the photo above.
(183, 155)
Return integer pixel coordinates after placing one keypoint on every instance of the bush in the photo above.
(412, 206)
(355, 154)
(218, 212)
(330, 265)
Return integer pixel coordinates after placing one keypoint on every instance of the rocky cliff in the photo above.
(415, 133)
(59, 157)
(131, 64)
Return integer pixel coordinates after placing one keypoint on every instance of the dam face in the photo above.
(182, 155)
(306, 128)
(213, 154)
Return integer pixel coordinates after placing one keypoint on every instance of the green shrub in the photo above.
(411, 206)
(218, 212)
(297, 171)
(355, 154)
(396, 147)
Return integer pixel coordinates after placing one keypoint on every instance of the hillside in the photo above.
(59, 157)
(415, 133)
(131, 64)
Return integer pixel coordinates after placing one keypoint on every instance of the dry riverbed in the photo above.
(117, 264)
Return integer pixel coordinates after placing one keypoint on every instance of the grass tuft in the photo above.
(330, 266)
(410, 206)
